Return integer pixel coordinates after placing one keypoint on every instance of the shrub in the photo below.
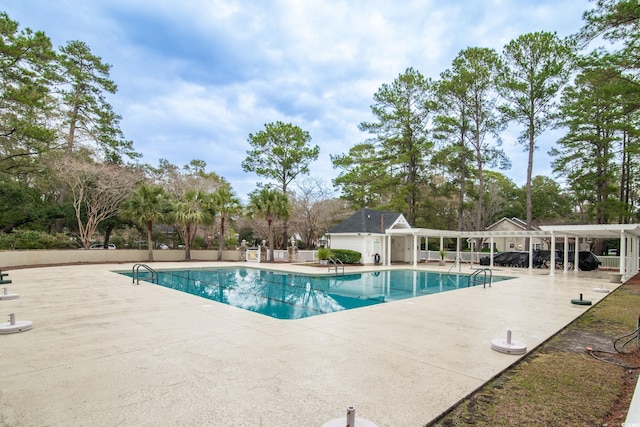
(118, 241)
(33, 239)
(198, 243)
(324, 253)
(347, 256)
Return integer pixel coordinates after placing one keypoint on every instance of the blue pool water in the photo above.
(285, 295)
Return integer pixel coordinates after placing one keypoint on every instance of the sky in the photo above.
(196, 77)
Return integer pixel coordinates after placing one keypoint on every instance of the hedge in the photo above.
(347, 256)
(32, 239)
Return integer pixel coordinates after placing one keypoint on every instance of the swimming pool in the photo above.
(284, 295)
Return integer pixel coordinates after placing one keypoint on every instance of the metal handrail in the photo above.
(460, 260)
(473, 278)
(452, 266)
(456, 263)
(335, 263)
(135, 273)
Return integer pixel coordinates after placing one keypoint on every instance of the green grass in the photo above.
(557, 385)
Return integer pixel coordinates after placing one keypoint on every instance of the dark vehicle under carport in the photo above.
(587, 261)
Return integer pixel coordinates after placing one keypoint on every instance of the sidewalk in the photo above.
(105, 352)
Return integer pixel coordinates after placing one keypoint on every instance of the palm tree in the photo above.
(227, 205)
(193, 209)
(269, 205)
(147, 205)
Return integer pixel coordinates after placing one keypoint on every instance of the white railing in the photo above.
(302, 256)
(608, 262)
(612, 262)
(450, 256)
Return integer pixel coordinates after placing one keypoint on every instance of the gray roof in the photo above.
(514, 220)
(366, 221)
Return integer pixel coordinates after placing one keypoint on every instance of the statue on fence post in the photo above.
(243, 250)
(263, 251)
(293, 250)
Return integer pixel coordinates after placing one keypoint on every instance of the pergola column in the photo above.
(386, 250)
(530, 253)
(491, 253)
(566, 255)
(623, 253)
(633, 256)
(552, 267)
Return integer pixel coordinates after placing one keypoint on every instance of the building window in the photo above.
(537, 246)
(512, 245)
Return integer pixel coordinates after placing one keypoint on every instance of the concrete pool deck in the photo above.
(104, 352)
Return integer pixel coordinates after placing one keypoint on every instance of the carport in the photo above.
(627, 234)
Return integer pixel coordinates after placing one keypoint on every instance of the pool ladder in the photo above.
(335, 266)
(475, 278)
(456, 263)
(150, 272)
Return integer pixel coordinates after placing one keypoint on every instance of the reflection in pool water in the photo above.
(284, 295)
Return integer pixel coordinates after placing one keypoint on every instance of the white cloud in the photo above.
(196, 77)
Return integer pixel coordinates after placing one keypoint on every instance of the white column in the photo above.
(426, 249)
(385, 249)
(623, 253)
(458, 257)
(566, 254)
(576, 256)
(491, 254)
(552, 267)
(416, 250)
(634, 256)
(530, 253)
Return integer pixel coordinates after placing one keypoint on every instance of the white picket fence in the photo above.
(281, 255)
(609, 262)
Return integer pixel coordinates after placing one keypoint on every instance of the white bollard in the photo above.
(15, 325)
(508, 346)
(5, 295)
(351, 421)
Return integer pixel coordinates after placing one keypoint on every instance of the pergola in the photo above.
(628, 235)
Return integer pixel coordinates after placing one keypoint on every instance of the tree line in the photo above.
(433, 150)
(435, 145)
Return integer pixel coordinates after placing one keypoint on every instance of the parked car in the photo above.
(163, 246)
(101, 246)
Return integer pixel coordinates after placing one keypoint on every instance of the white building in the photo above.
(366, 232)
(387, 237)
